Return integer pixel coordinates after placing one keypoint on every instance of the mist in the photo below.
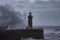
(15, 19)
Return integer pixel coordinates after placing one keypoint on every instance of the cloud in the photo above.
(32, 1)
(45, 0)
(57, 0)
(50, 13)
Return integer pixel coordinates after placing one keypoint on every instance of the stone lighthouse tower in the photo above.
(30, 20)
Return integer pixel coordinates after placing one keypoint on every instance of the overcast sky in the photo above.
(45, 12)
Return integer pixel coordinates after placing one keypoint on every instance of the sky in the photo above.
(45, 12)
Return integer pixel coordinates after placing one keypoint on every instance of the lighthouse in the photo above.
(30, 20)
